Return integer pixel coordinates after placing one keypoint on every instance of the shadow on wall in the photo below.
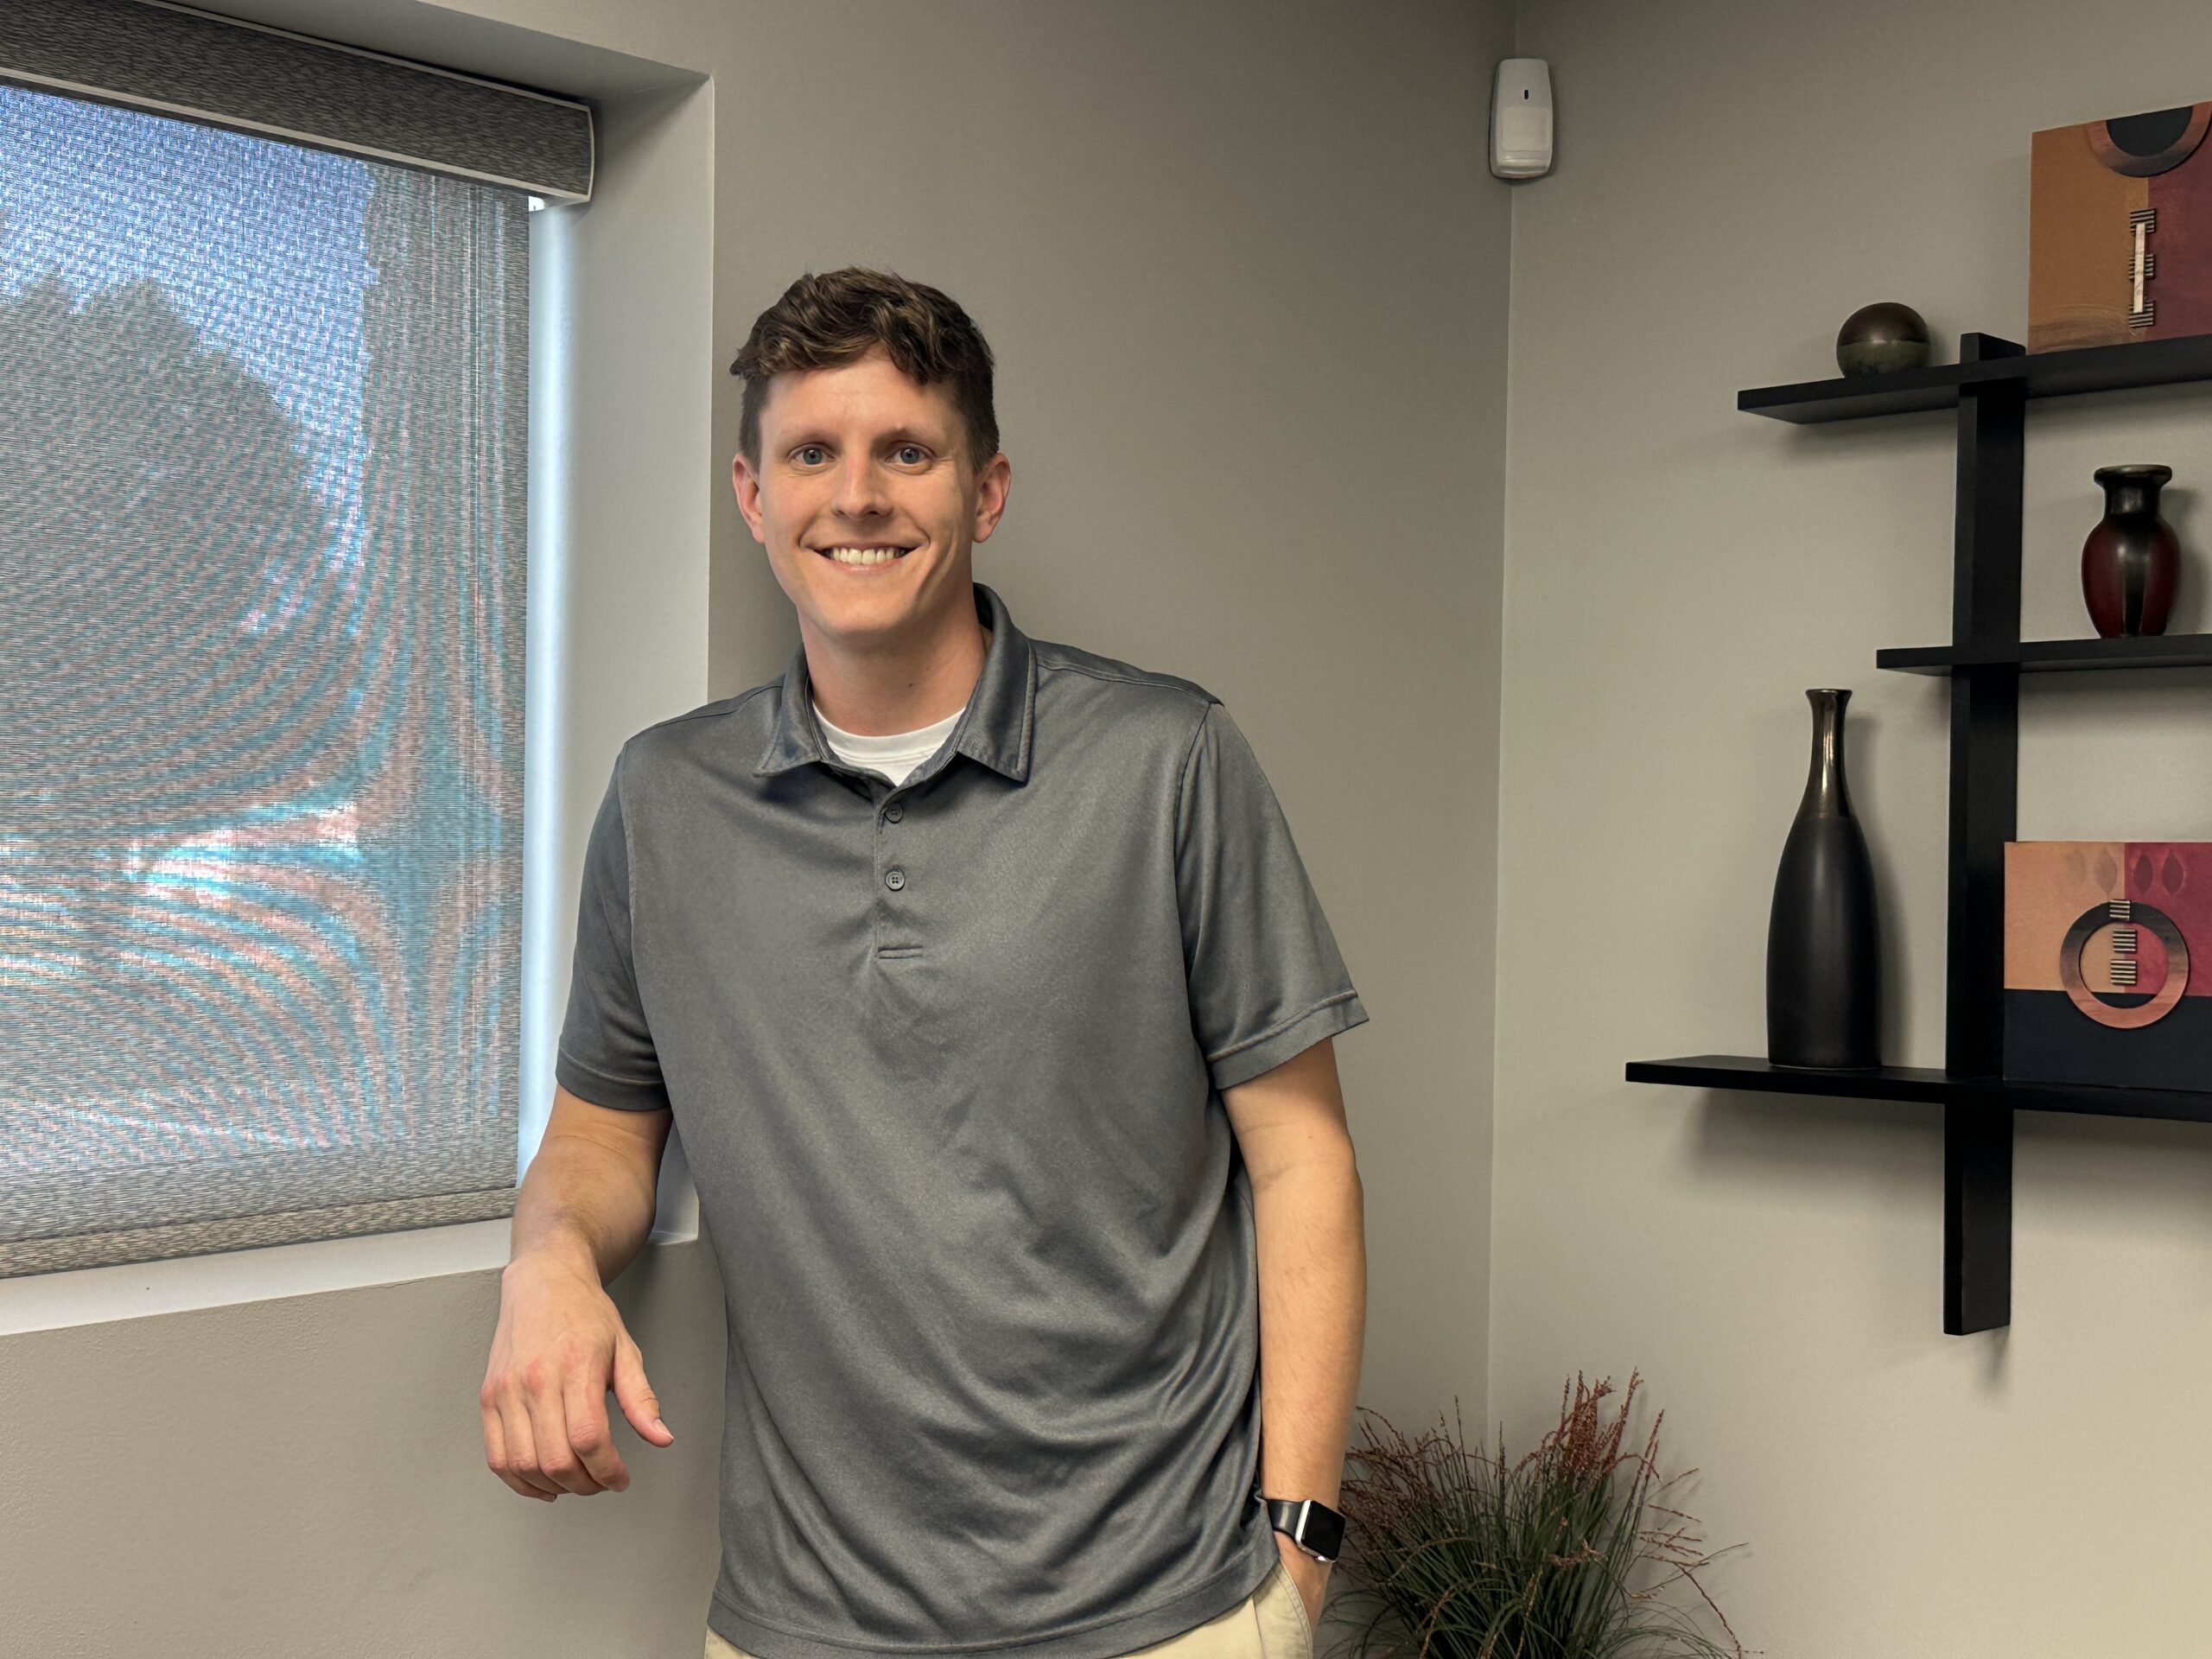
(2080, 1181)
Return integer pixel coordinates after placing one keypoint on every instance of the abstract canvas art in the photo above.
(2120, 230)
(2109, 962)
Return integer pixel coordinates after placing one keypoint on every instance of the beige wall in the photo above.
(1735, 178)
(1246, 276)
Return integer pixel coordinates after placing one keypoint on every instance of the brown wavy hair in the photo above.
(840, 316)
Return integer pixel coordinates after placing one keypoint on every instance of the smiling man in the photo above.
(990, 994)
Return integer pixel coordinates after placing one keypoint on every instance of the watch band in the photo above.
(1309, 1523)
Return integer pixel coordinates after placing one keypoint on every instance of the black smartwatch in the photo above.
(1312, 1525)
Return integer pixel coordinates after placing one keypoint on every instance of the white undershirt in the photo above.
(895, 755)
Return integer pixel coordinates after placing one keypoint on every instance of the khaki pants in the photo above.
(1269, 1624)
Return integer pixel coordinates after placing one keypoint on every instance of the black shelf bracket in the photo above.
(1985, 773)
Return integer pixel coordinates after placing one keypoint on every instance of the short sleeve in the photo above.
(606, 1053)
(1266, 980)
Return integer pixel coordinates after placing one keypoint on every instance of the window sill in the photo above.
(50, 1301)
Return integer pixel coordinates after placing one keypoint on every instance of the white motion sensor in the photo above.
(1521, 119)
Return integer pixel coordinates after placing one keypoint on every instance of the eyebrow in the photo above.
(897, 435)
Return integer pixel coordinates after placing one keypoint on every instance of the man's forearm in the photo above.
(580, 1202)
(1309, 1219)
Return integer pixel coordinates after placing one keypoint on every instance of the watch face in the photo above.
(1324, 1530)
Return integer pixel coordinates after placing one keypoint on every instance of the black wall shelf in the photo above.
(2049, 656)
(1922, 1084)
(2040, 374)
(1989, 387)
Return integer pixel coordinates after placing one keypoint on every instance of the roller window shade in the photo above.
(262, 425)
(152, 55)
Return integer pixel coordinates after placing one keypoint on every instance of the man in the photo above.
(988, 987)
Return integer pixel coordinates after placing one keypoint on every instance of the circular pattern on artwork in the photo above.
(2124, 913)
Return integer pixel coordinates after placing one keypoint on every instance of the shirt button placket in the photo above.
(894, 878)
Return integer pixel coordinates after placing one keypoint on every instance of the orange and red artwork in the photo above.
(2109, 962)
(2120, 230)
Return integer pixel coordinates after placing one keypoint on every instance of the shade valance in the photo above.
(174, 61)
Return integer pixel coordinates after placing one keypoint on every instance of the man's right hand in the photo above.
(560, 1348)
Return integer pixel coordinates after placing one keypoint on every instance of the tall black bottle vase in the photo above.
(1822, 972)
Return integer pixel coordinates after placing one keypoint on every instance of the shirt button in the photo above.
(895, 879)
(894, 811)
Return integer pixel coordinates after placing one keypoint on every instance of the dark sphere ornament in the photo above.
(1881, 339)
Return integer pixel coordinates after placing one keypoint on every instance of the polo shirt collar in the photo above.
(993, 729)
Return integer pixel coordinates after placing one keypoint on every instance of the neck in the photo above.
(902, 687)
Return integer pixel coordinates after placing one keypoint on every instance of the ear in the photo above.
(746, 484)
(991, 487)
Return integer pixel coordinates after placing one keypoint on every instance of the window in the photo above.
(263, 430)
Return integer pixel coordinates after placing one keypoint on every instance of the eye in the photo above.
(909, 455)
(809, 454)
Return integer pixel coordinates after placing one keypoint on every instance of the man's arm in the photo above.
(588, 1194)
(1309, 1215)
(585, 1210)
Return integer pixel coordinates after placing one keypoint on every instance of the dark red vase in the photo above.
(2131, 563)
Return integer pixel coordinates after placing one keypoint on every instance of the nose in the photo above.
(860, 488)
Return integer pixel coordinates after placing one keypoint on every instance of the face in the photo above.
(862, 458)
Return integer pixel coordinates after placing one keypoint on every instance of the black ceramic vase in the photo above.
(1822, 976)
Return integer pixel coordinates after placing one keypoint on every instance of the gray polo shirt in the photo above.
(947, 1061)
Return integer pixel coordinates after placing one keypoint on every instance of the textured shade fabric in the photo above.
(152, 55)
(262, 559)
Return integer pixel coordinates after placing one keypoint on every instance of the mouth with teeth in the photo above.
(863, 557)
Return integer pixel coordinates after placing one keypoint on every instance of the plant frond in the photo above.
(1473, 1554)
